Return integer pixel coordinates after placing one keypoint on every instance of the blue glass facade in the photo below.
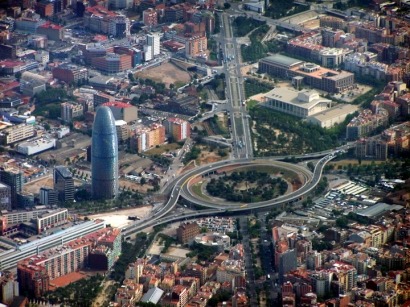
(104, 155)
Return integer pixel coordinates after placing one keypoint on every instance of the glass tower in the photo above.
(104, 155)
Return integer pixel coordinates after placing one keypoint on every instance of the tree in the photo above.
(227, 6)
(143, 181)
(17, 75)
(342, 222)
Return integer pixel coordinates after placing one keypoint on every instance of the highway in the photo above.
(235, 94)
(178, 185)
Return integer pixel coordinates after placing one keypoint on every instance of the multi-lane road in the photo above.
(235, 94)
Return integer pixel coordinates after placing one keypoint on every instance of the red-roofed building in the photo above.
(123, 111)
(51, 30)
(9, 67)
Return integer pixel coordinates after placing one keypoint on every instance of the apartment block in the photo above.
(178, 128)
(187, 232)
(69, 111)
(145, 138)
(70, 73)
(16, 133)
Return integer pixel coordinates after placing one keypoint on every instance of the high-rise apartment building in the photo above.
(15, 180)
(104, 155)
(178, 128)
(287, 262)
(153, 40)
(64, 183)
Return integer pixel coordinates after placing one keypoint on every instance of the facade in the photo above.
(123, 111)
(48, 196)
(35, 146)
(366, 123)
(16, 133)
(196, 46)
(104, 152)
(101, 20)
(298, 103)
(69, 111)
(287, 262)
(64, 184)
(153, 41)
(150, 17)
(312, 74)
(51, 219)
(112, 63)
(52, 31)
(5, 197)
(70, 73)
(178, 128)
(332, 116)
(123, 131)
(15, 180)
(70, 257)
(9, 288)
(147, 137)
(187, 232)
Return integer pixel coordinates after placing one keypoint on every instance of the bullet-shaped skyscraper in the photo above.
(104, 155)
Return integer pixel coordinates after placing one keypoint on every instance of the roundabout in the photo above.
(190, 193)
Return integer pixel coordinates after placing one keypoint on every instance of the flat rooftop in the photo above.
(378, 209)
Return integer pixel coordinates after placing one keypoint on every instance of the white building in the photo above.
(298, 103)
(33, 147)
(148, 53)
(153, 40)
(31, 84)
(332, 116)
(333, 57)
(43, 57)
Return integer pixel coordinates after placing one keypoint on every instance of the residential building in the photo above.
(64, 184)
(42, 56)
(51, 31)
(150, 17)
(186, 232)
(69, 111)
(366, 123)
(178, 128)
(102, 20)
(70, 74)
(287, 262)
(16, 133)
(9, 288)
(147, 137)
(123, 130)
(153, 41)
(196, 46)
(129, 293)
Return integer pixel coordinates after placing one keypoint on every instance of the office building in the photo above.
(15, 180)
(104, 155)
(64, 184)
(112, 63)
(5, 197)
(178, 128)
(48, 196)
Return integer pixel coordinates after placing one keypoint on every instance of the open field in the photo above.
(166, 73)
(162, 149)
(119, 218)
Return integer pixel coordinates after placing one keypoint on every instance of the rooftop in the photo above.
(378, 209)
(282, 60)
(335, 111)
(117, 104)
